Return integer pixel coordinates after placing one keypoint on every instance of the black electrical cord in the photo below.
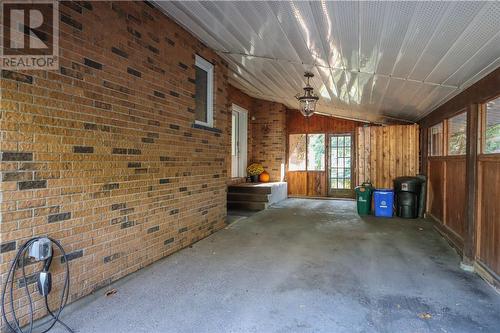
(64, 293)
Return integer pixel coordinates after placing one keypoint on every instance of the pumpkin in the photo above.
(264, 177)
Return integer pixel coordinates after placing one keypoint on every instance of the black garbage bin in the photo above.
(407, 191)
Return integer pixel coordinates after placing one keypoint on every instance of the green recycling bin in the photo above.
(364, 198)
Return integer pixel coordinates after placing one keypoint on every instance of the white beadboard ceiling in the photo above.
(375, 61)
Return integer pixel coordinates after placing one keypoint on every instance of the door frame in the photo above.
(242, 141)
(341, 193)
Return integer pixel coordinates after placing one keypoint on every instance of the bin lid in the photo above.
(362, 188)
(384, 190)
(408, 179)
(408, 184)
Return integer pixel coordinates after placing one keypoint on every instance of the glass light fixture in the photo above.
(307, 101)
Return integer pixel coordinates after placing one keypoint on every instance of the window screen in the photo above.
(492, 130)
(436, 140)
(297, 152)
(457, 137)
(315, 152)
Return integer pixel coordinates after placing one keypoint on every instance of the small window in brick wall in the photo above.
(204, 92)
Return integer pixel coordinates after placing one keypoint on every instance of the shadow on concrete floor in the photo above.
(234, 215)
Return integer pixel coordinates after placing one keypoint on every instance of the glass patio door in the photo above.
(340, 167)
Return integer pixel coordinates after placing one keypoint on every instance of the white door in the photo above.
(238, 141)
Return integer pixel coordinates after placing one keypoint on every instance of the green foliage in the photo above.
(457, 143)
(317, 146)
(492, 139)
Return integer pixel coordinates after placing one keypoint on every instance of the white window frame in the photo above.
(209, 68)
(242, 146)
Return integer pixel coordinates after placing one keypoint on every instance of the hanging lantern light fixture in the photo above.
(307, 102)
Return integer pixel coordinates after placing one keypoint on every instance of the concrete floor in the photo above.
(235, 215)
(301, 266)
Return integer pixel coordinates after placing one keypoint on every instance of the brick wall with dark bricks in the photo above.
(266, 132)
(269, 137)
(102, 154)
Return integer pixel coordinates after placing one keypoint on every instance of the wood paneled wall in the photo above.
(488, 228)
(435, 188)
(387, 152)
(454, 186)
(313, 183)
(297, 183)
(481, 181)
(447, 195)
(316, 184)
(298, 124)
(307, 183)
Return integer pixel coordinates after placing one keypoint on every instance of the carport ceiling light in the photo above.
(307, 102)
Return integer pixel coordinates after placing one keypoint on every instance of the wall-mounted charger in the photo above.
(39, 249)
(44, 283)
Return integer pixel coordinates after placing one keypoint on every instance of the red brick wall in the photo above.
(102, 154)
(266, 131)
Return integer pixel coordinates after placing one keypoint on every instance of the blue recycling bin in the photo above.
(383, 200)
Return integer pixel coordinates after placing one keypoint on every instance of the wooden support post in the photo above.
(471, 186)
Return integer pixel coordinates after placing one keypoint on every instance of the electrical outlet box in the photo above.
(41, 249)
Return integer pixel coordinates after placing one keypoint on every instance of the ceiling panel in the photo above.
(258, 21)
(299, 38)
(261, 70)
(418, 35)
(344, 31)
(372, 60)
(487, 54)
(372, 16)
(400, 91)
(437, 95)
(422, 92)
(394, 32)
(372, 91)
(453, 23)
(209, 21)
(196, 26)
(478, 33)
